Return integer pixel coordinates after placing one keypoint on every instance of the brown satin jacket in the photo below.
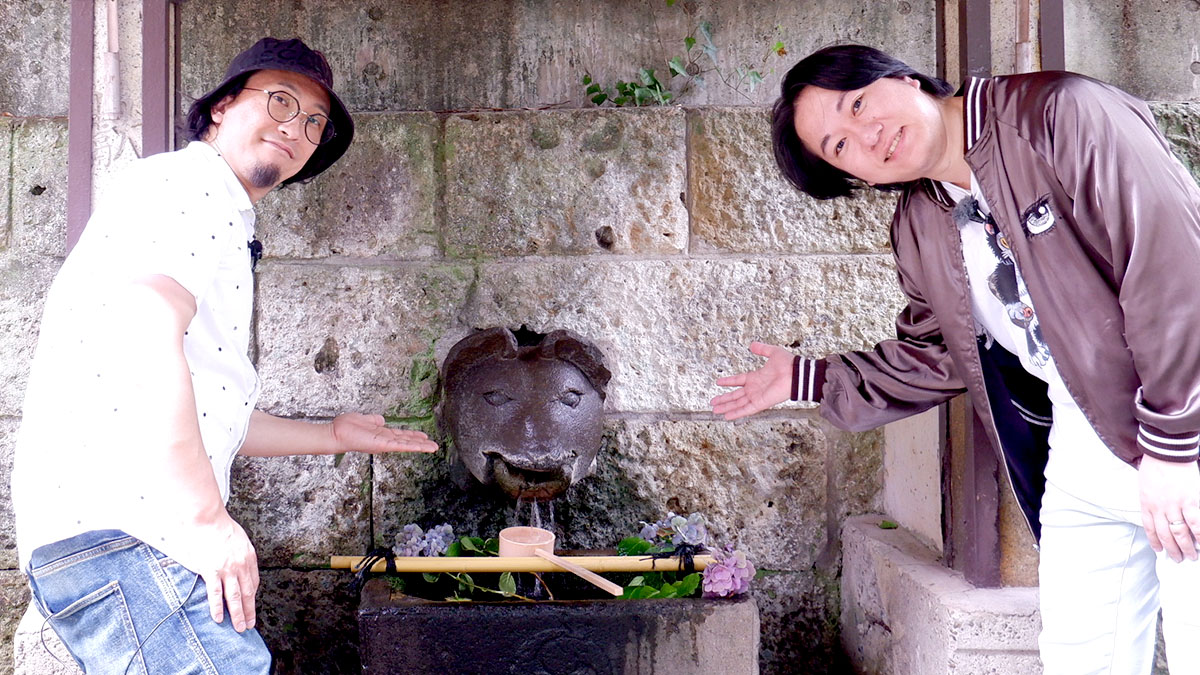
(1104, 225)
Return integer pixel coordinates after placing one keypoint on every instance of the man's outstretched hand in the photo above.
(355, 432)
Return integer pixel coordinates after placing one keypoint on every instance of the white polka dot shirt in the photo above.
(180, 214)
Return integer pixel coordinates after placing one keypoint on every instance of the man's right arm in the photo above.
(184, 499)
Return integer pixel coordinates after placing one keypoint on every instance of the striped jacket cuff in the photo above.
(1169, 447)
(808, 379)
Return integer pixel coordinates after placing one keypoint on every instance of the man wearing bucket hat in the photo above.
(141, 392)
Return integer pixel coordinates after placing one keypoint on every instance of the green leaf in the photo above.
(688, 585)
(642, 95)
(642, 592)
(337, 459)
(430, 577)
(677, 66)
(457, 598)
(689, 42)
(587, 79)
(492, 545)
(454, 550)
(636, 581)
(706, 31)
(508, 586)
(756, 79)
(620, 100)
(779, 48)
(472, 544)
(465, 581)
(647, 77)
(599, 98)
(887, 525)
(633, 546)
(594, 89)
(670, 3)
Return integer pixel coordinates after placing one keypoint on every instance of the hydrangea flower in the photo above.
(413, 541)
(660, 529)
(691, 530)
(438, 540)
(729, 575)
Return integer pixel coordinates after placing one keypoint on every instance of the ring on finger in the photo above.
(1173, 523)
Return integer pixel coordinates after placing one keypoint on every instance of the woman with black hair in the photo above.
(1049, 245)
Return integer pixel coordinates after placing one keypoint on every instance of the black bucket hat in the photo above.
(293, 55)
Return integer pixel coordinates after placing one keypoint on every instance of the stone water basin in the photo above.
(402, 634)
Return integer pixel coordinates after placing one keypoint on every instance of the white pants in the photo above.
(1101, 589)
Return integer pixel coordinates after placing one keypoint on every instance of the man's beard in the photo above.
(264, 175)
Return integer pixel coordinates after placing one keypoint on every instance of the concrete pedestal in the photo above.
(903, 611)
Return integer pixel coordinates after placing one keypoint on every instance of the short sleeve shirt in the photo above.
(184, 215)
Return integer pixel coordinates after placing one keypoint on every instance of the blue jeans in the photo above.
(116, 604)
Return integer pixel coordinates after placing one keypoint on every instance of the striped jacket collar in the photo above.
(974, 107)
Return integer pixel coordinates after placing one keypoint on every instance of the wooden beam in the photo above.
(971, 496)
(156, 110)
(975, 38)
(79, 121)
(1052, 34)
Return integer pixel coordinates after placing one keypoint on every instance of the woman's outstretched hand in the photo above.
(760, 389)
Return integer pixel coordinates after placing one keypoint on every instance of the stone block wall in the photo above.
(33, 189)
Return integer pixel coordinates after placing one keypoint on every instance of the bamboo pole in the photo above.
(595, 563)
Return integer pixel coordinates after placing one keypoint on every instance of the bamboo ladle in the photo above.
(523, 542)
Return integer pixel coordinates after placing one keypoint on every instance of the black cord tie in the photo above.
(687, 554)
(364, 568)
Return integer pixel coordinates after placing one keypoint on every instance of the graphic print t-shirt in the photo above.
(1080, 463)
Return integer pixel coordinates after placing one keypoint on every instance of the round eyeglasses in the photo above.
(283, 107)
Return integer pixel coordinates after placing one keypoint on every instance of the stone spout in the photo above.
(526, 418)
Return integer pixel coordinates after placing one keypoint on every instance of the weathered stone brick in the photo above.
(300, 510)
(393, 56)
(740, 203)
(14, 600)
(565, 182)
(753, 481)
(39, 186)
(1180, 123)
(799, 613)
(308, 621)
(6, 134)
(8, 534)
(338, 339)
(1146, 48)
(24, 281)
(34, 44)
(670, 328)
(378, 200)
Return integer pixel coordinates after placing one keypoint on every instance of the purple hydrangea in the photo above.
(691, 530)
(657, 530)
(728, 575)
(413, 541)
(438, 540)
